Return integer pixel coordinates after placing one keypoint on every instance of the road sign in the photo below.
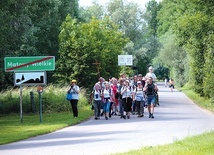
(38, 63)
(30, 78)
(125, 60)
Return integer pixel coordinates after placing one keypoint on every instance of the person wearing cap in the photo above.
(74, 90)
(150, 89)
(140, 99)
(151, 74)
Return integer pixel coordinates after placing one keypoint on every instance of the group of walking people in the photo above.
(125, 96)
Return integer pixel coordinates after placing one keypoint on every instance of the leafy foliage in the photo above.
(191, 25)
(82, 44)
(31, 28)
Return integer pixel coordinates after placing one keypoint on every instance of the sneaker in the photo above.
(128, 117)
(96, 118)
(150, 115)
(124, 116)
(142, 115)
(106, 118)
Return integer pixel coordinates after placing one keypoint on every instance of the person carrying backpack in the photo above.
(140, 99)
(150, 89)
(127, 96)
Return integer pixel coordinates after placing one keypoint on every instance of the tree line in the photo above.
(176, 37)
(185, 30)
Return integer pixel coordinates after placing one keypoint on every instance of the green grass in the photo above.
(200, 101)
(197, 145)
(11, 128)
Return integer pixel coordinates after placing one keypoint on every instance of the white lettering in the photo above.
(13, 64)
(43, 63)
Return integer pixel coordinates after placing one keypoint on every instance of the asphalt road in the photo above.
(176, 118)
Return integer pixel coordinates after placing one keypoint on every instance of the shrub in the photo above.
(53, 100)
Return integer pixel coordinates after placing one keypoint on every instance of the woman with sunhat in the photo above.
(74, 90)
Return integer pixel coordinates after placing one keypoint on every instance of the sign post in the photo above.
(37, 66)
(125, 60)
(30, 78)
(21, 115)
(40, 90)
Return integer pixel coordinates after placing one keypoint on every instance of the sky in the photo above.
(85, 3)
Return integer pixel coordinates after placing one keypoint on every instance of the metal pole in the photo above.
(40, 103)
(21, 115)
(32, 102)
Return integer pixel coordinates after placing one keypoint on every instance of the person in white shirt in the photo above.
(151, 74)
(74, 90)
(97, 100)
(127, 97)
(140, 99)
(106, 95)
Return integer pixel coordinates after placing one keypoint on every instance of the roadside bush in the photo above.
(53, 100)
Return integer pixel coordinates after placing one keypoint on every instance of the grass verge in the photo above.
(11, 128)
(197, 145)
(200, 101)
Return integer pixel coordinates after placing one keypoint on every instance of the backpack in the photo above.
(150, 89)
(118, 94)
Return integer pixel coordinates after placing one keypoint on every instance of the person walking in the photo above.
(97, 94)
(140, 99)
(127, 96)
(74, 90)
(171, 84)
(106, 96)
(151, 74)
(150, 89)
(121, 106)
(114, 109)
(166, 82)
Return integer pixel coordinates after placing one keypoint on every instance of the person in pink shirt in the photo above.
(114, 101)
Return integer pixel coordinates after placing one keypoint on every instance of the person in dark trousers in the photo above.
(127, 97)
(140, 99)
(74, 90)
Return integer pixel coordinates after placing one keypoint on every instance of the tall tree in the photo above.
(81, 45)
(152, 44)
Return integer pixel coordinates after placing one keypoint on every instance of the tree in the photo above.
(129, 17)
(82, 44)
(31, 28)
(192, 24)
